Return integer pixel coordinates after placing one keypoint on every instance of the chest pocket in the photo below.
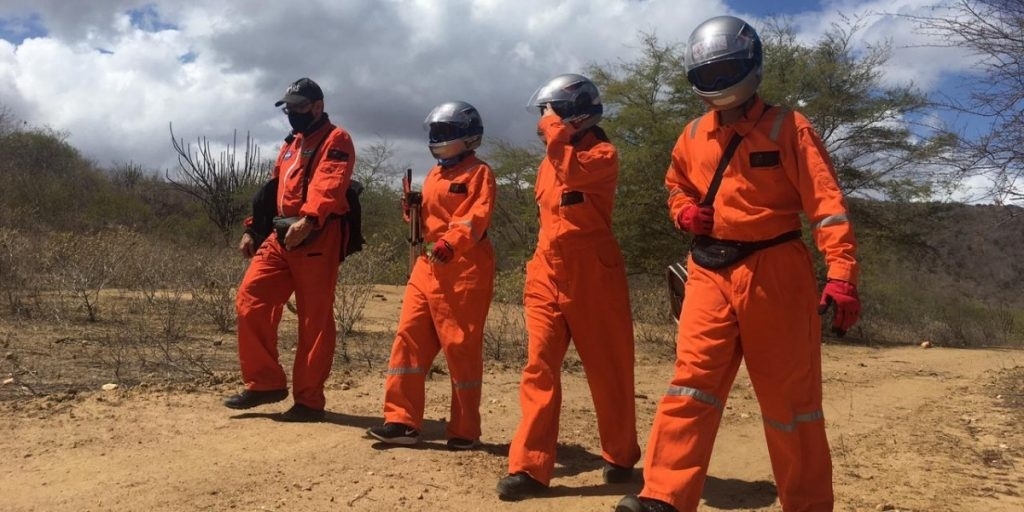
(458, 188)
(763, 159)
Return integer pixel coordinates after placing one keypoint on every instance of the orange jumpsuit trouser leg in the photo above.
(533, 446)
(708, 356)
(778, 325)
(782, 352)
(460, 314)
(412, 352)
(314, 269)
(264, 289)
(601, 323)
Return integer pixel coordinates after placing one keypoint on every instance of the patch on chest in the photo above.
(764, 159)
(458, 188)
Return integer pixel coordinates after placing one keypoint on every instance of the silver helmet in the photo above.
(723, 62)
(454, 127)
(573, 97)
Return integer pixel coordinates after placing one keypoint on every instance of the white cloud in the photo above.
(383, 64)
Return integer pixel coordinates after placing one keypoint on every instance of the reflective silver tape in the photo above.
(838, 218)
(696, 394)
(799, 418)
(467, 385)
(404, 371)
(777, 125)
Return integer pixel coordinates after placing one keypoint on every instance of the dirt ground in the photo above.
(911, 429)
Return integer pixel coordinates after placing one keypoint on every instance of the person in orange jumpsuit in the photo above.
(450, 288)
(575, 289)
(759, 305)
(311, 175)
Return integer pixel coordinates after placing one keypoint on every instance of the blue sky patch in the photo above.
(16, 29)
(147, 18)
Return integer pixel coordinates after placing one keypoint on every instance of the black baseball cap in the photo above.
(301, 91)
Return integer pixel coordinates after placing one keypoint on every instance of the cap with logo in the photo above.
(301, 91)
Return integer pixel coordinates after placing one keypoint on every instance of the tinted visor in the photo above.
(720, 75)
(446, 132)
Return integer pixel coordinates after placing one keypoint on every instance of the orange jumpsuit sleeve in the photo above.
(471, 220)
(330, 178)
(681, 191)
(823, 203)
(578, 170)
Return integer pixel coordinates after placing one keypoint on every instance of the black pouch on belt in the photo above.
(281, 225)
(712, 253)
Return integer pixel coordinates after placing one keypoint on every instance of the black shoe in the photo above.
(518, 486)
(458, 443)
(617, 474)
(248, 399)
(302, 414)
(395, 433)
(632, 503)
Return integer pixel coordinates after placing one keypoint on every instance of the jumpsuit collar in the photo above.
(745, 124)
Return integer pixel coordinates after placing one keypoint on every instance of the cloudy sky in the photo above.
(113, 74)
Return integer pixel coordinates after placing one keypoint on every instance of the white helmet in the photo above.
(573, 97)
(454, 128)
(723, 62)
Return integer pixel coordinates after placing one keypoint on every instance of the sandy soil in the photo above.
(911, 429)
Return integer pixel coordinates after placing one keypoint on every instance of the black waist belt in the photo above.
(757, 245)
(571, 197)
(715, 253)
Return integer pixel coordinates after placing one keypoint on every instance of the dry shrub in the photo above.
(505, 335)
(356, 278)
(212, 278)
(82, 265)
(19, 271)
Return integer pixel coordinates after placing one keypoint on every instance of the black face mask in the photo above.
(300, 122)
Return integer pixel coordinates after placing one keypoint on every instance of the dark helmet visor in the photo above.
(446, 132)
(720, 75)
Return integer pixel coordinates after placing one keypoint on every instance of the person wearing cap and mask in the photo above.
(450, 287)
(759, 304)
(307, 189)
(575, 290)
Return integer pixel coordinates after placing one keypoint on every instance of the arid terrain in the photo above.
(911, 429)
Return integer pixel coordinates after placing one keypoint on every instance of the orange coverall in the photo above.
(310, 270)
(576, 288)
(761, 310)
(445, 304)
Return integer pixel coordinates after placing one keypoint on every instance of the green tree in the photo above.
(513, 229)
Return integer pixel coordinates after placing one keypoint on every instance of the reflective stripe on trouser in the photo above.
(583, 297)
(273, 274)
(762, 312)
(444, 309)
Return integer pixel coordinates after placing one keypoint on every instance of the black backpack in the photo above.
(353, 220)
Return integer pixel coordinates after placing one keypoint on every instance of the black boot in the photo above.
(302, 414)
(633, 503)
(248, 399)
(518, 486)
(616, 474)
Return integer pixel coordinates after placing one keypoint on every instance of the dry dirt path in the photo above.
(911, 429)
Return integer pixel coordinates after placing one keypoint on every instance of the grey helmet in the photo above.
(454, 128)
(573, 97)
(723, 62)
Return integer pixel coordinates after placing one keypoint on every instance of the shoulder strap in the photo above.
(309, 165)
(716, 180)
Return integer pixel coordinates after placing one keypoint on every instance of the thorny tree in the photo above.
(220, 183)
(993, 32)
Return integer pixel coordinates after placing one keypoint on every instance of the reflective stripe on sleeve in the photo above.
(696, 394)
(799, 418)
(838, 218)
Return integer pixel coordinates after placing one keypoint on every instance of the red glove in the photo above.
(847, 305)
(696, 219)
(441, 252)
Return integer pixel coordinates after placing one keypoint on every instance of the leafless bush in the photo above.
(213, 279)
(356, 279)
(18, 271)
(505, 337)
(83, 265)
